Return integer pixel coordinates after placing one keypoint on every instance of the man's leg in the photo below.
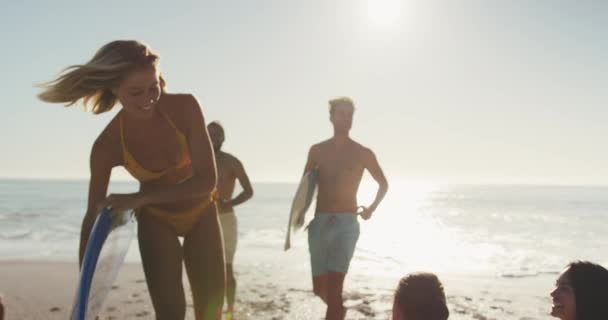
(319, 286)
(229, 232)
(230, 287)
(335, 307)
(345, 233)
(317, 246)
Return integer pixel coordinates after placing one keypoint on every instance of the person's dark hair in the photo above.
(217, 125)
(420, 296)
(590, 284)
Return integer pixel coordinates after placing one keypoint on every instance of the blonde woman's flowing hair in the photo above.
(93, 81)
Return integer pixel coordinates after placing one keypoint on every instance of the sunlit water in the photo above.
(487, 230)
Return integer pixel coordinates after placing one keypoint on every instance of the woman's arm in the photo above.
(204, 179)
(101, 167)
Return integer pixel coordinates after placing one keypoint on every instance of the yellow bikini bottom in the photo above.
(181, 221)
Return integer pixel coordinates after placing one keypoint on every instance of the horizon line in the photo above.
(400, 180)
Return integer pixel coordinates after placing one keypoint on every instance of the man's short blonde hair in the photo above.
(341, 101)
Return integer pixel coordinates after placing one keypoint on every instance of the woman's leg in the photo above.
(204, 259)
(161, 256)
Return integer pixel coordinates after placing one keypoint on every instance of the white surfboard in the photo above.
(301, 203)
(106, 248)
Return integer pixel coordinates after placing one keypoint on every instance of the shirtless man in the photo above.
(229, 169)
(334, 231)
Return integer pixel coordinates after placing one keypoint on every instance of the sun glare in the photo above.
(384, 12)
(408, 232)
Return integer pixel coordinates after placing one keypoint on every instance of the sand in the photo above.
(45, 290)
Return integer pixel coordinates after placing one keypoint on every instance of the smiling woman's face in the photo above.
(564, 302)
(139, 92)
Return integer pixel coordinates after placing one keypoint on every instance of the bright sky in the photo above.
(445, 91)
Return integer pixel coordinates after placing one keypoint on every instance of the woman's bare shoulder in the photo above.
(179, 107)
(108, 143)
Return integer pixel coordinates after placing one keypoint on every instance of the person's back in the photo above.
(420, 296)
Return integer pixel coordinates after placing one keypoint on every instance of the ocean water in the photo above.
(505, 231)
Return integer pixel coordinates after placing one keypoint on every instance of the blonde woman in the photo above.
(161, 139)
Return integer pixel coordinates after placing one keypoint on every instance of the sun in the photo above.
(384, 12)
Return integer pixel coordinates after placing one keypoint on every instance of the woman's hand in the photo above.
(122, 202)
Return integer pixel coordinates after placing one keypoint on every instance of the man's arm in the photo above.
(243, 179)
(371, 164)
(311, 161)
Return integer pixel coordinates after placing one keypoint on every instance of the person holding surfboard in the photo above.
(162, 141)
(339, 163)
(229, 170)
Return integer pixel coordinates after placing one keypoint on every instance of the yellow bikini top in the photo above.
(142, 174)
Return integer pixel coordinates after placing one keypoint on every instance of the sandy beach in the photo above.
(45, 290)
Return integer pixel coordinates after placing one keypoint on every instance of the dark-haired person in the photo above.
(581, 292)
(229, 170)
(420, 296)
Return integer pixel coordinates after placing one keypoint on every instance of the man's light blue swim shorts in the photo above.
(331, 241)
